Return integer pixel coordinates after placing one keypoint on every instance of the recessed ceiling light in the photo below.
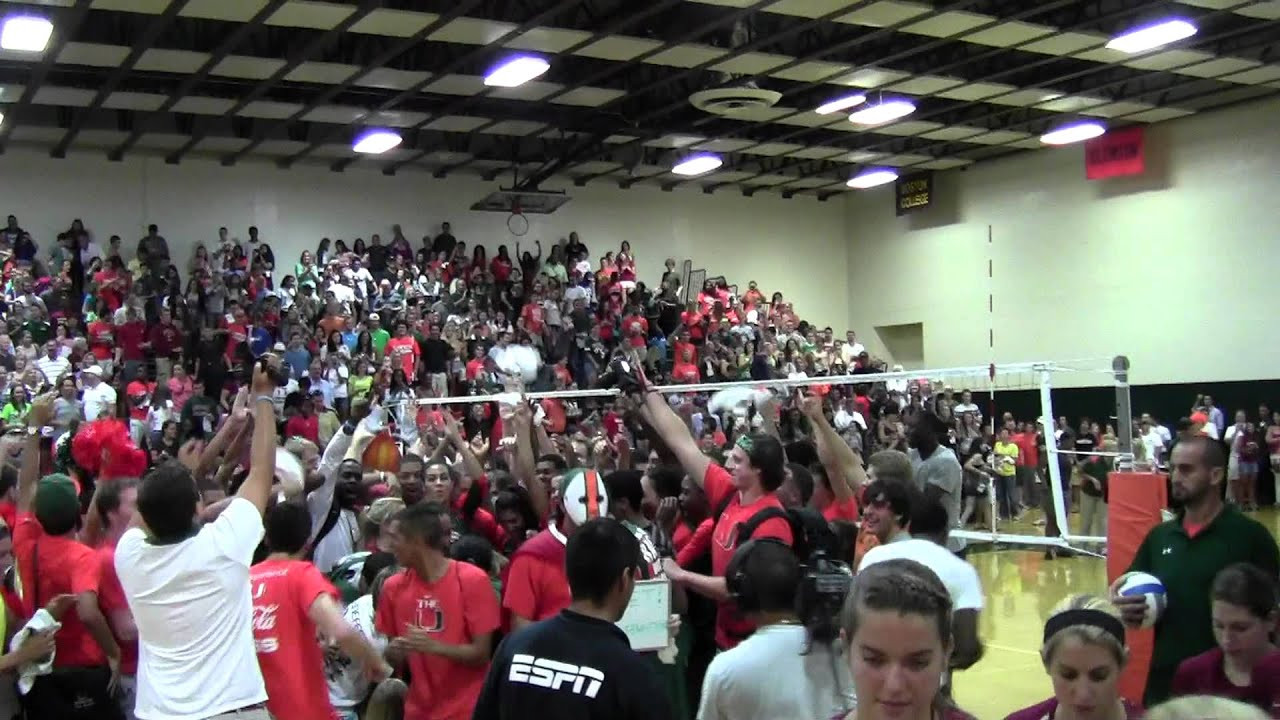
(1152, 36)
(1074, 133)
(697, 165)
(883, 112)
(843, 103)
(516, 71)
(376, 142)
(25, 33)
(872, 178)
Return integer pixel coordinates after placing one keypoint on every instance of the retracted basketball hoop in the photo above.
(517, 223)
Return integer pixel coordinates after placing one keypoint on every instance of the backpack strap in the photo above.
(330, 522)
(724, 504)
(749, 528)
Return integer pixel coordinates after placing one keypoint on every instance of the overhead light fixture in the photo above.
(516, 71)
(1074, 133)
(872, 178)
(26, 33)
(843, 103)
(697, 165)
(1149, 37)
(883, 112)
(376, 142)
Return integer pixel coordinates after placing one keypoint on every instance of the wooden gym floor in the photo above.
(1021, 588)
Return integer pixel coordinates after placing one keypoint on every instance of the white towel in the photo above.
(41, 622)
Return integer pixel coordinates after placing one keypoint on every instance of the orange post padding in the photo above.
(1134, 502)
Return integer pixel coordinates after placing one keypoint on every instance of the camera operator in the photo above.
(789, 667)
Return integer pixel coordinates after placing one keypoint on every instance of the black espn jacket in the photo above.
(571, 667)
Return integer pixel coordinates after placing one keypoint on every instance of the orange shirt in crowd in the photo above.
(112, 602)
(683, 372)
(407, 350)
(455, 609)
(285, 638)
(537, 587)
(65, 566)
(731, 626)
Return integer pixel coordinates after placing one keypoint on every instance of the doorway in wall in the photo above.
(904, 344)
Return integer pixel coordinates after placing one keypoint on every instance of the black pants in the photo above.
(72, 694)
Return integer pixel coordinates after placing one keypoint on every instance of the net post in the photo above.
(1056, 487)
(1124, 410)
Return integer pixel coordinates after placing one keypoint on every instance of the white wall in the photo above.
(1179, 269)
(793, 246)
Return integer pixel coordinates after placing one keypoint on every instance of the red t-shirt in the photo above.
(1028, 453)
(731, 626)
(166, 340)
(111, 295)
(303, 426)
(456, 609)
(846, 511)
(696, 544)
(408, 353)
(236, 333)
(102, 338)
(134, 389)
(65, 566)
(556, 418)
(533, 315)
(130, 336)
(536, 586)
(111, 600)
(683, 372)
(285, 638)
(501, 269)
(475, 366)
(693, 323)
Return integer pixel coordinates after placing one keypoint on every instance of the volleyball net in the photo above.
(1023, 391)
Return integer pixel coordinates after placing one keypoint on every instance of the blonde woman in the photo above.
(896, 625)
(1083, 652)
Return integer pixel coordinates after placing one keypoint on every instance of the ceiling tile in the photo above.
(1032, 143)
(456, 85)
(926, 84)
(976, 91)
(724, 145)
(813, 119)
(94, 54)
(947, 24)
(1010, 33)
(1062, 43)
(270, 110)
(997, 137)
(1025, 98)
(618, 48)
(222, 143)
(812, 71)
(457, 123)
(173, 61)
(472, 31)
(618, 139)
(955, 132)
(945, 163)
(801, 8)
(809, 182)
(1116, 109)
(751, 63)
(1102, 54)
(766, 180)
(34, 133)
(11, 93)
(198, 105)
(1159, 114)
(396, 118)
(772, 149)
(817, 152)
(280, 147)
(323, 73)
(870, 77)
(589, 96)
(1219, 66)
(1168, 59)
(134, 101)
(240, 66)
(674, 141)
(74, 97)
(1257, 76)
(336, 114)
(1262, 10)
(531, 91)
(148, 7)
(548, 40)
(1071, 103)
(908, 128)
(307, 14)
(883, 14)
(393, 23)
(686, 56)
(392, 79)
(904, 160)
(861, 156)
(228, 10)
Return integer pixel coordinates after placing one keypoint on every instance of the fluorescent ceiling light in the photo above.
(883, 112)
(697, 165)
(376, 142)
(516, 71)
(1068, 134)
(25, 33)
(872, 178)
(1152, 36)
(839, 104)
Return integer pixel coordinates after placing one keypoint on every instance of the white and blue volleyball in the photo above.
(1145, 585)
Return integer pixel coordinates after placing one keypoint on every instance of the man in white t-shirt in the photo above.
(778, 672)
(188, 586)
(926, 544)
(99, 398)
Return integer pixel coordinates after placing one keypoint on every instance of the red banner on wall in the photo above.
(1118, 153)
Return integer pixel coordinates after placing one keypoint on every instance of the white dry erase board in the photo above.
(645, 621)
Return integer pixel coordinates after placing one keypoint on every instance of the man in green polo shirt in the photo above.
(1186, 553)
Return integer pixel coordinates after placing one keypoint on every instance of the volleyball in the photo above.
(1142, 584)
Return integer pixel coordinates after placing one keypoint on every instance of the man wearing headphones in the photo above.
(781, 671)
(537, 587)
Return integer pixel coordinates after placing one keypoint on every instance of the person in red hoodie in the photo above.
(291, 601)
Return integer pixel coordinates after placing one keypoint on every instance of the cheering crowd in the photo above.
(235, 491)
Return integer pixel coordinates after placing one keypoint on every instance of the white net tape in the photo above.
(985, 382)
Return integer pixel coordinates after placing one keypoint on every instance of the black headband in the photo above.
(1092, 618)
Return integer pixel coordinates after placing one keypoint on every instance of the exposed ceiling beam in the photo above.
(65, 25)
